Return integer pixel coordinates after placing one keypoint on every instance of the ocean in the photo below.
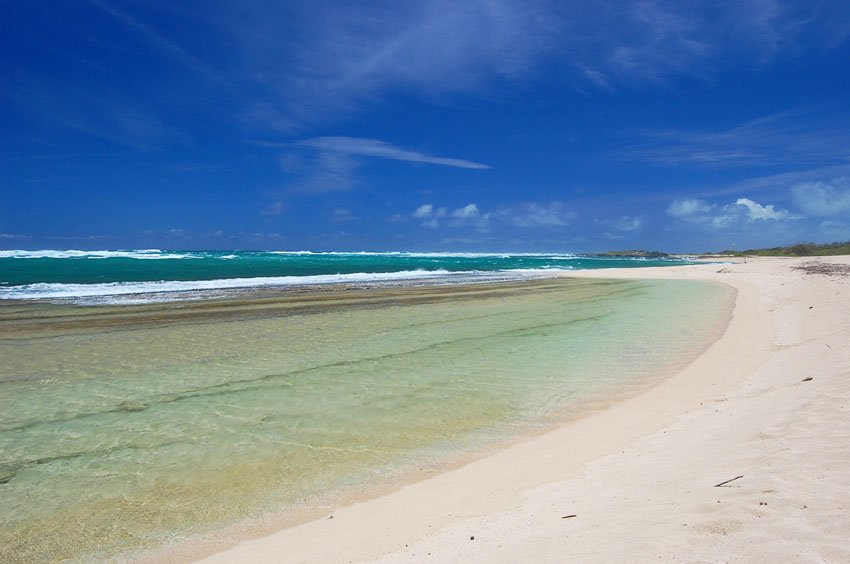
(140, 276)
(130, 427)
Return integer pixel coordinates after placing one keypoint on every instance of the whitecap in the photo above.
(144, 254)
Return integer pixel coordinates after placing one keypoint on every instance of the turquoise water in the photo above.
(151, 275)
(125, 428)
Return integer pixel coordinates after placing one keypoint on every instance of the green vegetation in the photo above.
(798, 250)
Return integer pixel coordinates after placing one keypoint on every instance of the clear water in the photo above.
(127, 428)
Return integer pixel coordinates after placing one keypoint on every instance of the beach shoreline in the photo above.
(141, 427)
(639, 476)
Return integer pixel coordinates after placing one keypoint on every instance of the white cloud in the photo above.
(332, 163)
(429, 211)
(758, 211)
(431, 214)
(376, 148)
(743, 213)
(531, 215)
(467, 212)
(823, 198)
(689, 207)
(425, 210)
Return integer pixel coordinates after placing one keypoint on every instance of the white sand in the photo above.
(639, 476)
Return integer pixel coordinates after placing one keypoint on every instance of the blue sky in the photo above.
(478, 125)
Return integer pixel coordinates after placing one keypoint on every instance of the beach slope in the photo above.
(742, 456)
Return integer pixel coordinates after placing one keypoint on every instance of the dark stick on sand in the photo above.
(727, 481)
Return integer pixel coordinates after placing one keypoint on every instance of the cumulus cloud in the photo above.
(741, 213)
(823, 198)
(527, 215)
(430, 213)
(758, 211)
(689, 207)
(425, 210)
(467, 212)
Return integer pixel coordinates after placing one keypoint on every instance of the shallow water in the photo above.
(125, 428)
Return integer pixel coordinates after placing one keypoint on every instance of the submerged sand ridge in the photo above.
(769, 402)
(130, 427)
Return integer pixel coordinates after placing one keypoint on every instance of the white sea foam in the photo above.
(148, 254)
(414, 254)
(152, 254)
(74, 291)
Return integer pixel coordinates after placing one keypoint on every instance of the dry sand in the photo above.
(637, 481)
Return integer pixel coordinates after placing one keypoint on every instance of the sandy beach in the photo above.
(765, 409)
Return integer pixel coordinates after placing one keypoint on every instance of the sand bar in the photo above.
(767, 402)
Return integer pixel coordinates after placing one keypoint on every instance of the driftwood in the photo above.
(727, 481)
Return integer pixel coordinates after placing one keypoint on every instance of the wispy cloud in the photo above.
(273, 208)
(778, 139)
(348, 56)
(774, 184)
(624, 223)
(659, 41)
(536, 214)
(322, 172)
(288, 66)
(353, 56)
(823, 197)
(119, 119)
(163, 43)
(331, 164)
(341, 215)
(376, 148)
